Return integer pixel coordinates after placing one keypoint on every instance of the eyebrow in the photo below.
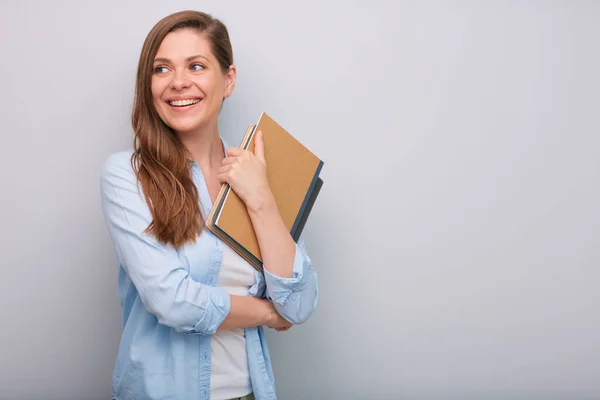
(166, 60)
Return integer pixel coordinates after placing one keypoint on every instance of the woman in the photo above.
(193, 310)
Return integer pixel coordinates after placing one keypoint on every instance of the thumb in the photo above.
(259, 147)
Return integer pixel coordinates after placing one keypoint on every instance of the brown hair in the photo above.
(160, 160)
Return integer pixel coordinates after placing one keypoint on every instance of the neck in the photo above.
(204, 146)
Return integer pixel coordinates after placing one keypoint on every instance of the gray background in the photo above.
(457, 234)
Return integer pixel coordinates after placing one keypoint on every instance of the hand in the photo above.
(274, 320)
(246, 173)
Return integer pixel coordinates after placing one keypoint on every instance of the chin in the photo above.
(186, 124)
(186, 128)
(189, 124)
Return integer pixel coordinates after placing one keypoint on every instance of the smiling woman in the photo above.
(187, 90)
(194, 310)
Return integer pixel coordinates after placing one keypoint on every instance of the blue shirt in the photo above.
(171, 305)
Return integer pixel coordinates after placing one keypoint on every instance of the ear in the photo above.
(230, 80)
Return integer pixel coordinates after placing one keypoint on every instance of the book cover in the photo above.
(293, 174)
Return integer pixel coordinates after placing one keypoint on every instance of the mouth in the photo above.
(182, 104)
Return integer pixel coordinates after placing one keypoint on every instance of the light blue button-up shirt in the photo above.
(171, 305)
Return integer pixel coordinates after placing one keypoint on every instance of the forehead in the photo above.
(184, 43)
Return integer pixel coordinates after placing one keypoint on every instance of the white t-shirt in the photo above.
(230, 376)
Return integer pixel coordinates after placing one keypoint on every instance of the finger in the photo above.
(259, 147)
(234, 152)
(224, 169)
(230, 160)
(223, 177)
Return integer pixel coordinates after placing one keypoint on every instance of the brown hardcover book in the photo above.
(293, 174)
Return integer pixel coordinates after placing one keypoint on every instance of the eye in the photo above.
(160, 70)
(197, 67)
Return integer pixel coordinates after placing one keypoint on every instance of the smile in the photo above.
(183, 103)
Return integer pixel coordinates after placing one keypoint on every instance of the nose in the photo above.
(180, 80)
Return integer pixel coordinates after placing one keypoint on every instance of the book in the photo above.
(293, 175)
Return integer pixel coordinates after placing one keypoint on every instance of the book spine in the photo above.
(307, 204)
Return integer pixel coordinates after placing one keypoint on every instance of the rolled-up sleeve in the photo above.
(160, 277)
(295, 298)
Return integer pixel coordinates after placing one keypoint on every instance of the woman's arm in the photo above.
(276, 244)
(161, 279)
(289, 275)
(251, 311)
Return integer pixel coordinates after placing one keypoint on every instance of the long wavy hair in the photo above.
(160, 160)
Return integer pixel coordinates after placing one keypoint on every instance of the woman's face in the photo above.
(188, 85)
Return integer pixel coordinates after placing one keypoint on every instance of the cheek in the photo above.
(159, 105)
(216, 96)
(211, 86)
(158, 86)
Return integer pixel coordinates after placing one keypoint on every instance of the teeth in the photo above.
(181, 103)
